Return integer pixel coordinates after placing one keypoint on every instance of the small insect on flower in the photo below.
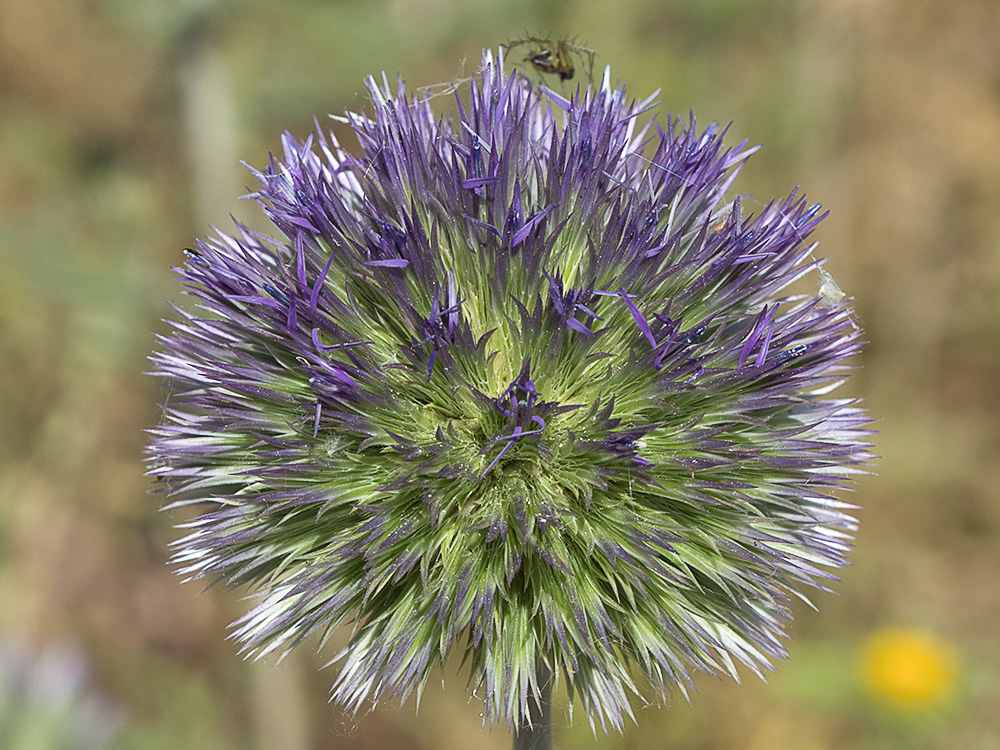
(830, 294)
(555, 57)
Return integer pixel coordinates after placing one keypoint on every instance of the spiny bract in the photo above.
(522, 386)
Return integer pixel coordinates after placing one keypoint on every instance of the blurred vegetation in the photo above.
(122, 123)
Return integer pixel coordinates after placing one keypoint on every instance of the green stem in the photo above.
(535, 733)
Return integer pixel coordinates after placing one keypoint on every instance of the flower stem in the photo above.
(535, 732)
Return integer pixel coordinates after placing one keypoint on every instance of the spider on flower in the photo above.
(555, 57)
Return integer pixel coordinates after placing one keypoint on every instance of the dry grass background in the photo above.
(121, 126)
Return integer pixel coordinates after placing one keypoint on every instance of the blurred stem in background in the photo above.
(209, 112)
(536, 733)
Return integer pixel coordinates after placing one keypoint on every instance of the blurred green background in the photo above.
(122, 123)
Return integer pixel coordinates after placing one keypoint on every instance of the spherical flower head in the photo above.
(523, 386)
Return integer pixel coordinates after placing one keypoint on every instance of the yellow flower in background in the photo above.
(909, 668)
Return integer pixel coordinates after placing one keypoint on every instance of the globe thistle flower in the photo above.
(523, 386)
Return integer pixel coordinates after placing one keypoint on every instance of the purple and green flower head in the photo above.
(524, 387)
